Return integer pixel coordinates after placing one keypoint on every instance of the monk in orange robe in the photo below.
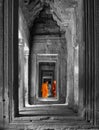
(54, 88)
(44, 90)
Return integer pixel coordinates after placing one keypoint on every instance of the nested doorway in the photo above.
(51, 51)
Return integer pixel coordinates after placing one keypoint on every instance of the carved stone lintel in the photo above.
(33, 9)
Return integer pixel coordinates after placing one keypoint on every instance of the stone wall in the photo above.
(1, 63)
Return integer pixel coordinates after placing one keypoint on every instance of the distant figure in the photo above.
(54, 88)
(49, 90)
(44, 90)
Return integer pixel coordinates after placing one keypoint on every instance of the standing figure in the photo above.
(54, 88)
(49, 90)
(44, 90)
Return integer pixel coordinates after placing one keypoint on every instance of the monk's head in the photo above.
(47, 82)
(54, 81)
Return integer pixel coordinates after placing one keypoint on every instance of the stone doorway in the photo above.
(53, 32)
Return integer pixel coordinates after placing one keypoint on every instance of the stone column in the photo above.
(21, 71)
(26, 57)
(70, 67)
(76, 76)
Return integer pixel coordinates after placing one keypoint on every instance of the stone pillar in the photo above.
(21, 71)
(26, 85)
(76, 76)
(70, 69)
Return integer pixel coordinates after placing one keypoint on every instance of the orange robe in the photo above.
(54, 89)
(44, 90)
